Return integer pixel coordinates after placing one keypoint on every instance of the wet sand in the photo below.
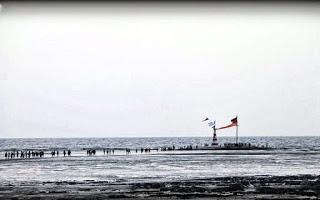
(250, 187)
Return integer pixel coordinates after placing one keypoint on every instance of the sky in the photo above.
(157, 70)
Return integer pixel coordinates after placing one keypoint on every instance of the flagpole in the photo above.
(237, 131)
(237, 135)
(214, 131)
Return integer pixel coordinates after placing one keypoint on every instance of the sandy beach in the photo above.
(253, 187)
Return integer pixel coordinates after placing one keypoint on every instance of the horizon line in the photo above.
(153, 137)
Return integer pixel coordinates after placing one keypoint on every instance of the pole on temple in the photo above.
(214, 138)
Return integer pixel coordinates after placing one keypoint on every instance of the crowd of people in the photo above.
(108, 151)
(32, 154)
(146, 150)
(23, 154)
(54, 153)
(168, 148)
(91, 152)
(189, 147)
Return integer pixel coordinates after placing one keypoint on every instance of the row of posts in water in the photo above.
(90, 152)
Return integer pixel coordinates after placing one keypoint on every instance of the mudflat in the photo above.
(248, 187)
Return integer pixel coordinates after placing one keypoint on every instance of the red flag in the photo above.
(234, 122)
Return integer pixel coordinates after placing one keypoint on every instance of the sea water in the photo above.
(294, 156)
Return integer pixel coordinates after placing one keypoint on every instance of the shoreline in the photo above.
(246, 187)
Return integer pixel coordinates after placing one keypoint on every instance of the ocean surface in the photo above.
(294, 156)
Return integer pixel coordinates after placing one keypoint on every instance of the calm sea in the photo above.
(301, 156)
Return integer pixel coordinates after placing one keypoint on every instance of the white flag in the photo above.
(211, 124)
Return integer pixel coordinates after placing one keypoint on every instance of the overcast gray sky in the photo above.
(116, 70)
